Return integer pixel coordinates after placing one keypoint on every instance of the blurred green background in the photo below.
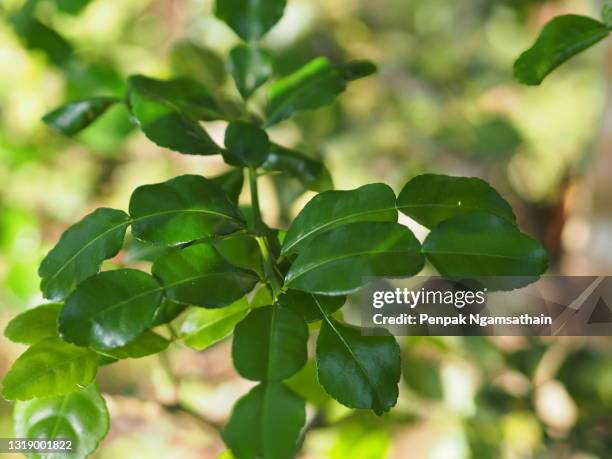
(444, 101)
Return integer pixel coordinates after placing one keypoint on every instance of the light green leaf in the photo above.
(331, 209)
(250, 19)
(266, 423)
(80, 416)
(247, 145)
(183, 209)
(481, 244)
(309, 306)
(251, 67)
(49, 367)
(199, 275)
(340, 261)
(81, 250)
(358, 371)
(204, 327)
(110, 309)
(270, 344)
(606, 13)
(312, 173)
(232, 183)
(430, 199)
(148, 343)
(560, 39)
(35, 324)
(73, 117)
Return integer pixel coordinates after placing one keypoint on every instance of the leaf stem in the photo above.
(259, 224)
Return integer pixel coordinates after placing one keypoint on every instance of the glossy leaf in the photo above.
(181, 210)
(148, 343)
(232, 183)
(270, 344)
(430, 199)
(560, 39)
(199, 275)
(251, 67)
(246, 143)
(204, 327)
(81, 250)
(240, 250)
(250, 19)
(80, 415)
(167, 312)
(313, 86)
(34, 325)
(115, 317)
(49, 367)
(358, 371)
(309, 306)
(73, 117)
(481, 244)
(266, 423)
(312, 173)
(331, 209)
(340, 261)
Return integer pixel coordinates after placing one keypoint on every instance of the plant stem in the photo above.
(259, 224)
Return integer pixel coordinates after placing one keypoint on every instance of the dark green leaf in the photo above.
(246, 143)
(80, 415)
(250, 19)
(49, 367)
(110, 309)
(340, 261)
(204, 327)
(81, 250)
(183, 209)
(313, 86)
(137, 250)
(202, 64)
(560, 39)
(35, 324)
(73, 7)
(251, 67)
(430, 199)
(75, 116)
(241, 250)
(358, 371)
(148, 343)
(198, 275)
(312, 173)
(309, 306)
(355, 70)
(331, 209)
(232, 183)
(167, 312)
(36, 35)
(270, 344)
(266, 423)
(481, 244)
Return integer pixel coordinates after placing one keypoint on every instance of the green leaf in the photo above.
(560, 39)
(340, 261)
(110, 309)
(75, 116)
(163, 122)
(80, 415)
(355, 70)
(331, 209)
(358, 371)
(184, 94)
(202, 64)
(312, 173)
(250, 19)
(309, 306)
(49, 367)
(36, 35)
(72, 7)
(270, 344)
(247, 144)
(313, 86)
(81, 250)
(204, 327)
(183, 209)
(430, 199)
(167, 312)
(266, 423)
(481, 244)
(251, 67)
(148, 343)
(232, 183)
(34, 325)
(606, 13)
(241, 250)
(199, 275)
